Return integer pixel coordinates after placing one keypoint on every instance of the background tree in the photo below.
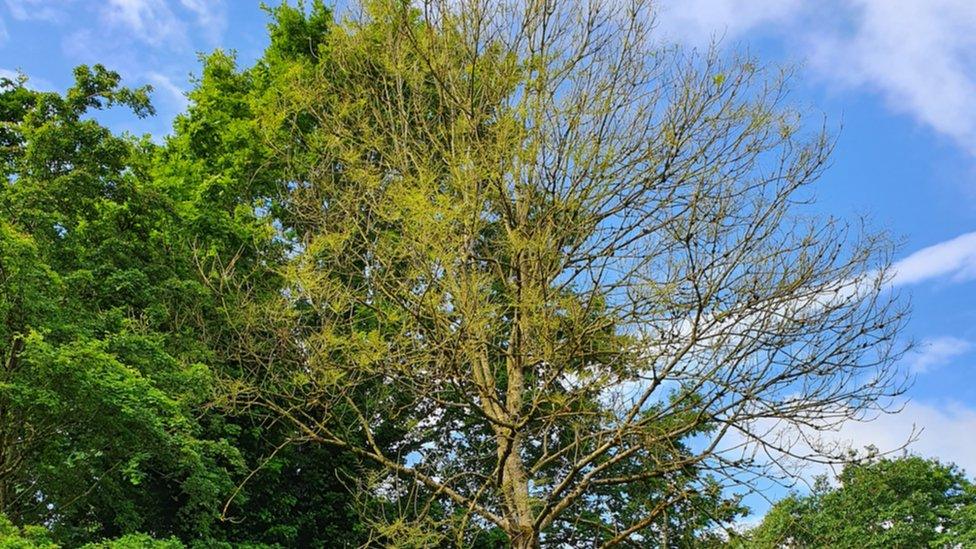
(905, 502)
(229, 184)
(101, 383)
(568, 269)
(39, 537)
(115, 332)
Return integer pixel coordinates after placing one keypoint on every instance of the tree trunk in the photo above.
(524, 539)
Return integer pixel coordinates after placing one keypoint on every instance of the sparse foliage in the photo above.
(569, 267)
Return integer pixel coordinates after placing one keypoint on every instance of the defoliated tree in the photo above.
(570, 265)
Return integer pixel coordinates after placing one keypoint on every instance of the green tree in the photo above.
(905, 502)
(101, 382)
(223, 168)
(130, 273)
(38, 537)
(27, 537)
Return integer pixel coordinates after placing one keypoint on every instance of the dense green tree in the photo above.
(114, 335)
(885, 503)
(101, 385)
(224, 168)
(39, 537)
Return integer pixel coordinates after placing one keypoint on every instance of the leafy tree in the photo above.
(228, 180)
(27, 537)
(101, 382)
(905, 502)
(38, 537)
(115, 334)
(552, 279)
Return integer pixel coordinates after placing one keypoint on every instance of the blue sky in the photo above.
(897, 78)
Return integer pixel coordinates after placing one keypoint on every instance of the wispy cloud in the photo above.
(940, 429)
(157, 23)
(918, 56)
(955, 259)
(946, 431)
(174, 93)
(210, 15)
(698, 22)
(937, 351)
(160, 23)
(39, 10)
(151, 21)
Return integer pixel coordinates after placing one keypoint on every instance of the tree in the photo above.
(556, 280)
(227, 183)
(904, 502)
(38, 537)
(101, 383)
(114, 335)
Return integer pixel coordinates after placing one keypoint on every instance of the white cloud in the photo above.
(937, 351)
(38, 10)
(163, 83)
(697, 22)
(946, 432)
(933, 430)
(210, 16)
(162, 23)
(151, 21)
(154, 22)
(919, 56)
(954, 258)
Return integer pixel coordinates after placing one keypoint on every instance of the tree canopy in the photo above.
(564, 267)
(477, 273)
(906, 502)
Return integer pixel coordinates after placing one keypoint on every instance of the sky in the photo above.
(894, 79)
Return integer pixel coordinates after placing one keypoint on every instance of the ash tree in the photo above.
(558, 280)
